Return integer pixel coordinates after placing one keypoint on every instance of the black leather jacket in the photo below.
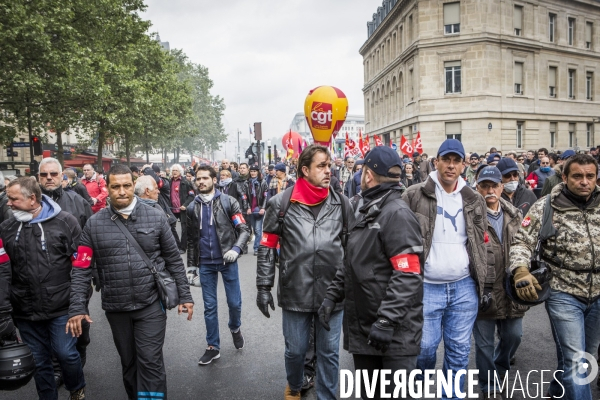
(310, 252)
(261, 190)
(227, 234)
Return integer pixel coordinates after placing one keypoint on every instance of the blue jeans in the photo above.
(45, 338)
(449, 309)
(256, 222)
(296, 331)
(209, 277)
(575, 326)
(489, 359)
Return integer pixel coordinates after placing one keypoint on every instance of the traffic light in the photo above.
(36, 142)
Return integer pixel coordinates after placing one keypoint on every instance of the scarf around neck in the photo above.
(308, 194)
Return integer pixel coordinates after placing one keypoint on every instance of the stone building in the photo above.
(510, 74)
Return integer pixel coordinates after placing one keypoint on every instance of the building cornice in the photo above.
(384, 24)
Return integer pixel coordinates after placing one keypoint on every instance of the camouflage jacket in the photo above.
(572, 253)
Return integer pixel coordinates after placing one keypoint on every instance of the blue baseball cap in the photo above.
(491, 157)
(490, 173)
(566, 154)
(280, 167)
(452, 146)
(381, 158)
(507, 165)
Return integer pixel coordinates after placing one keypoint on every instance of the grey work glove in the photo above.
(230, 256)
(192, 276)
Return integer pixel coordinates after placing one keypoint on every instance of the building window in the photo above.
(519, 135)
(589, 134)
(518, 78)
(572, 137)
(571, 31)
(453, 130)
(551, 25)
(571, 89)
(518, 20)
(589, 29)
(411, 85)
(453, 78)
(451, 18)
(552, 81)
(552, 134)
(410, 29)
(589, 86)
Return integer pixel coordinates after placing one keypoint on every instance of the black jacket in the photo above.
(5, 210)
(71, 202)
(310, 252)
(186, 192)
(228, 235)
(372, 285)
(80, 189)
(523, 199)
(237, 190)
(126, 281)
(261, 189)
(41, 278)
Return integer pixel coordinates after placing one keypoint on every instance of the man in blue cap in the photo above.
(451, 215)
(555, 179)
(280, 181)
(472, 169)
(514, 191)
(381, 281)
(499, 312)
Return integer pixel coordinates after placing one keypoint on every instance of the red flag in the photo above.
(300, 146)
(406, 147)
(363, 144)
(378, 141)
(417, 145)
(391, 143)
(347, 147)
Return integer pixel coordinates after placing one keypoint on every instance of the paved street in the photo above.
(257, 371)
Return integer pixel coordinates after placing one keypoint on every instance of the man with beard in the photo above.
(471, 170)
(310, 234)
(216, 233)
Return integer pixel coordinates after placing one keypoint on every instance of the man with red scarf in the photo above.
(310, 240)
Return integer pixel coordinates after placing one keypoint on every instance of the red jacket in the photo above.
(96, 187)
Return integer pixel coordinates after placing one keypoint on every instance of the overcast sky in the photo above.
(264, 56)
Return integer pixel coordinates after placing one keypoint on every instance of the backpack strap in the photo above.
(226, 204)
(547, 230)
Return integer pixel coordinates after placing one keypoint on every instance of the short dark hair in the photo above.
(307, 155)
(118, 169)
(347, 158)
(246, 164)
(211, 171)
(581, 159)
(553, 157)
(493, 150)
(543, 149)
(28, 186)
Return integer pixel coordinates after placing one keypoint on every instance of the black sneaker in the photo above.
(513, 360)
(210, 354)
(255, 252)
(238, 339)
(308, 382)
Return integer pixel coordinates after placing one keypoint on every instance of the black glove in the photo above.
(325, 313)
(264, 299)
(8, 332)
(381, 334)
(487, 299)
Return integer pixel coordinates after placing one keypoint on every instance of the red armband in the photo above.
(238, 219)
(83, 257)
(269, 240)
(3, 256)
(406, 263)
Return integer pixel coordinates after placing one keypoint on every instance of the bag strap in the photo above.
(134, 243)
(226, 204)
(547, 230)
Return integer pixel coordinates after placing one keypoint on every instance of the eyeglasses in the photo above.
(520, 159)
(45, 174)
(513, 174)
(487, 186)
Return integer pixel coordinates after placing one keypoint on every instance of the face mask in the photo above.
(545, 169)
(511, 186)
(22, 216)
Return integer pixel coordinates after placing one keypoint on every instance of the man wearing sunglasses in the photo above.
(514, 191)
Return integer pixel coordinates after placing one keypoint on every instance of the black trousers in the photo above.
(393, 363)
(139, 337)
(181, 216)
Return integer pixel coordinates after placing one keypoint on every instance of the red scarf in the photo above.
(308, 194)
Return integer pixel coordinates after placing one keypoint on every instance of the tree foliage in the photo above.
(95, 66)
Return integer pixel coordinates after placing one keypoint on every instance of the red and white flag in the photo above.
(378, 141)
(363, 144)
(417, 145)
(406, 147)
